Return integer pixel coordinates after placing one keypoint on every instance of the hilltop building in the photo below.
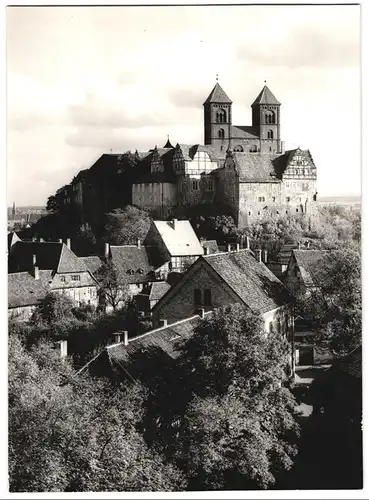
(243, 169)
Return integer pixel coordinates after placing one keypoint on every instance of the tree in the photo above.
(225, 415)
(126, 226)
(113, 285)
(70, 433)
(335, 305)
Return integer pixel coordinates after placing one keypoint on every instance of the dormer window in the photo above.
(140, 270)
(130, 272)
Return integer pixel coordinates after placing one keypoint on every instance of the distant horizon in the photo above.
(100, 79)
(347, 197)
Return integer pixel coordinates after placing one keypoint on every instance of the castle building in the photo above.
(242, 168)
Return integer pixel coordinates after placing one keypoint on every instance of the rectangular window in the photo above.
(62, 278)
(195, 185)
(207, 297)
(287, 184)
(197, 296)
(288, 198)
(76, 277)
(273, 198)
(261, 198)
(305, 187)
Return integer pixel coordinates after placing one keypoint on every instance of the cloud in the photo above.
(310, 46)
(187, 98)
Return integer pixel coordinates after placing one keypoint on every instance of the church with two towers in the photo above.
(243, 167)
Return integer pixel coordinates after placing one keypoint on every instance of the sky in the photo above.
(83, 81)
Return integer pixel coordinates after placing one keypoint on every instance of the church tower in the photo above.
(266, 121)
(217, 119)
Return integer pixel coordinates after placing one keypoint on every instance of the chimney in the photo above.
(299, 245)
(174, 223)
(229, 248)
(237, 247)
(36, 272)
(265, 256)
(106, 250)
(34, 238)
(138, 243)
(116, 336)
(163, 322)
(34, 259)
(68, 243)
(41, 240)
(258, 254)
(206, 251)
(63, 349)
(125, 336)
(247, 243)
(201, 312)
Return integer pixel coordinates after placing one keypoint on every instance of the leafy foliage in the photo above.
(225, 415)
(113, 289)
(125, 226)
(68, 434)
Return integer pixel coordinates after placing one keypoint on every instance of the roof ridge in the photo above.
(157, 330)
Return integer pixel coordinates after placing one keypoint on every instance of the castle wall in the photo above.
(155, 197)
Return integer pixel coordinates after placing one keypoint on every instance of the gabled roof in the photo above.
(251, 280)
(179, 237)
(49, 255)
(158, 289)
(92, 262)
(285, 252)
(25, 290)
(309, 262)
(218, 95)
(265, 97)
(162, 345)
(12, 238)
(132, 263)
(143, 171)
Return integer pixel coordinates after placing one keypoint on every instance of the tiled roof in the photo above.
(144, 174)
(351, 363)
(25, 290)
(180, 239)
(309, 262)
(218, 95)
(128, 258)
(158, 289)
(255, 167)
(250, 279)
(285, 252)
(212, 245)
(93, 263)
(244, 131)
(49, 255)
(266, 97)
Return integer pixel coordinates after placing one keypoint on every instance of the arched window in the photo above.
(270, 134)
(270, 117)
(221, 133)
(238, 149)
(221, 116)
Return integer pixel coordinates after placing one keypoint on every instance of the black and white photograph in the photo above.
(183, 199)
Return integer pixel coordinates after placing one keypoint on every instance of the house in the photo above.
(150, 296)
(302, 274)
(132, 264)
(93, 263)
(69, 274)
(25, 291)
(176, 243)
(138, 358)
(222, 279)
(12, 238)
